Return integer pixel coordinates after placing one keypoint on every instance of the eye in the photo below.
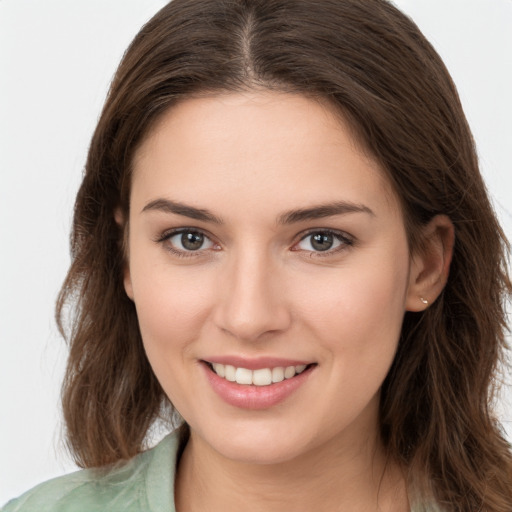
(324, 241)
(186, 241)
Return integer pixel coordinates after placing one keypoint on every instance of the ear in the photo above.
(430, 263)
(123, 224)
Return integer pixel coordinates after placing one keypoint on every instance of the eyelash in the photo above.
(346, 241)
(167, 235)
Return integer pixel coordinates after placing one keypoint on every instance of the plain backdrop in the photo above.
(56, 61)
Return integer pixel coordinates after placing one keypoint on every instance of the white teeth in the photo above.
(260, 377)
(219, 369)
(229, 372)
(243, 376)
(289, 372)
(278, 374)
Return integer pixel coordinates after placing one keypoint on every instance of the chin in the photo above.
(248, 453)
(257, 444)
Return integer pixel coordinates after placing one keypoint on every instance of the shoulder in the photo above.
(144, 483)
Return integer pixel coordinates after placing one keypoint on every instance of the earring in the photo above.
(425, 301)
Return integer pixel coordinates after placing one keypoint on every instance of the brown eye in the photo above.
(189, 241)
(324, 241)
(192, 241)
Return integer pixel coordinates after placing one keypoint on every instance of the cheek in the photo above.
(357, 298)
(375, 304)
(359, 319)
(171, 303)
(172, 310)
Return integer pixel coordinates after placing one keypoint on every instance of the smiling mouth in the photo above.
(259, 377)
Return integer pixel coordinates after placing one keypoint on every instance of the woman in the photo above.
(283, 218)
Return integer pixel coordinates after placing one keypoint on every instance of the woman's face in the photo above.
(266, 247)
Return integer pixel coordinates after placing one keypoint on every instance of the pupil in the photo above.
(322, 241)
(192, 241)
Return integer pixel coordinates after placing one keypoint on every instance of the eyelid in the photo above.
(166, 235)
(345, 238)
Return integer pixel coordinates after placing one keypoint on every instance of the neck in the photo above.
(341, 475)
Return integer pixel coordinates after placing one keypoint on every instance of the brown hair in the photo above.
(373, 64)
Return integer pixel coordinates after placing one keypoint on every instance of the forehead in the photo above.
(244, 148)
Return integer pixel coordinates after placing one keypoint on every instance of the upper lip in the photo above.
(256, 363)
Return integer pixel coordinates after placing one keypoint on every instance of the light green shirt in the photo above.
(144, 484)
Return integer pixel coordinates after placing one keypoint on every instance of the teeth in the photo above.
(261, 377)
(243, 376)
(229, 372)
(219, 369)
(277, 374)
(289, 372)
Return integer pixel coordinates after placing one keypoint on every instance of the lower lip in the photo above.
(255, 397)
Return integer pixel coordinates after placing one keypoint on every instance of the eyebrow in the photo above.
(168, 206)
(290, 217)
(323, 210)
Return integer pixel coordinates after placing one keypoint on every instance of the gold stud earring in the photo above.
(425, 301)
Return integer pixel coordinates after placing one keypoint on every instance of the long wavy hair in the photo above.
(373, 65)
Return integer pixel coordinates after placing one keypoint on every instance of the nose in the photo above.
(252, 303)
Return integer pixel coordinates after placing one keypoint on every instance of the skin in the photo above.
(258, 287)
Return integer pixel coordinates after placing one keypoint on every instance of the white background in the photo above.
(56, 60)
